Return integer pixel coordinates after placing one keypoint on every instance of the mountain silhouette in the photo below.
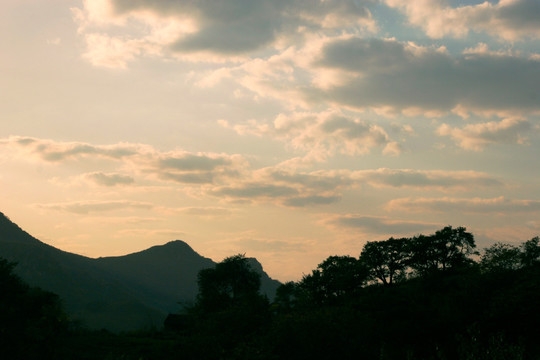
(119, 293)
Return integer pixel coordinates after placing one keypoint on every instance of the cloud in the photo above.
(386, 73)
(109, 179)
(119, 220)
(55, 151)
(200, 168)
(54, 41)
(206, 212)
(175, 166)
(507, 19)
(323, 133)
(192, 162)
(323, 180)
(302, 201)
(313, 52)
(319, 181)
(113, 40)
(168, 234)
(85, 207)
(270, 245)
(255, 190)
(220, 28)
(426, 179)
(294, 188)
(499, 205)
(239, 26)
(379, 225)
(110, 52)
(231, 177)
(534, 225)
(477, 136)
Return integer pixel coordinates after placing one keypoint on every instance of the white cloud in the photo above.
(174, 166)
(499, 205)
(427, 179)
(507, 19)
(206, 212)
(237, 26)
(287, 188)
(324, 133)
(231, 177)
(196, 168)
(252, 190)
(167, 234)
(56, 151)
(294, 188)
(270, 245)
(216, 30)
(106, 51)
(119, 220)
(403, 77)
(378, 225)
(54, 41)
(301, 201)
(109, 179)
(85, 207)
(297, 53)
(477, 136)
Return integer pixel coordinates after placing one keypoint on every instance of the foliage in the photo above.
(392, 260)
(386, 260)
(338, 310)
(531, 252)
(229, 308)
(336, 278)
(286, 295)
(435, 305)
(31, 320)
(500, 257)
(447, 248)
(232, 281)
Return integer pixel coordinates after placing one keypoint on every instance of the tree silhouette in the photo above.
(230, 282)
(385, 260)
(447, 248)
(31, 320)
(499, 257)
(229, 309)
(335, 278)
(286, 295)
(342, 275)
(531, 252)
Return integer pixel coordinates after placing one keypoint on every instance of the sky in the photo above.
(288, 131)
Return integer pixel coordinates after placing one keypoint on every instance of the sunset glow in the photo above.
(288, 131)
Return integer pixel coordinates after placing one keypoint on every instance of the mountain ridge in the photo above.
(118, 293)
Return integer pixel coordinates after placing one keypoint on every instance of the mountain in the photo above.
(161, 275)
(167, 274)
(118, 293)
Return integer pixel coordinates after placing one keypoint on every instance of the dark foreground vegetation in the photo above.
(426, 297)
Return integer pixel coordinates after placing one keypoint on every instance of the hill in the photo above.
(118, 293)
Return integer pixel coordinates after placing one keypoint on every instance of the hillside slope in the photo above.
(118, 293)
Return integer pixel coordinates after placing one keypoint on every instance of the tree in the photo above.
(385, 260)
(285, 296)
(230, 282)
(531, 252)
(342, 275)
(501, 256)
(229, 310)
(335, 278)
(447, 248)
(31, 319)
